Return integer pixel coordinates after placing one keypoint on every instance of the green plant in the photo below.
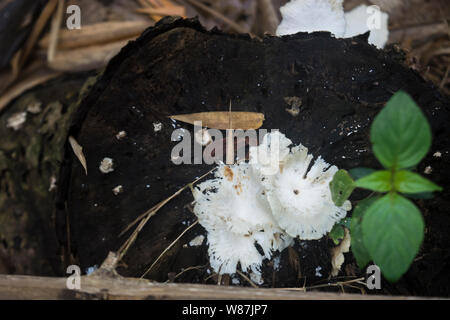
(387, 228)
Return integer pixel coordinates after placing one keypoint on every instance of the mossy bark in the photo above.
(30, 159)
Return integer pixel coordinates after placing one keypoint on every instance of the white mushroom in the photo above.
(267, 158)
(300, 200)
(121, 135)
(234, 210)
(157, 126)
(328, 15)
(363, 19)
(106, 166)
(311, 16)
(118, 190)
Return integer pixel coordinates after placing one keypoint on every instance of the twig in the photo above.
(230, 140)
(143, 218)
(444, 79)
(27, 83)
(35, 33)
(268, 15)
(169, 247)
(54, 31)
(337, 284)
(97, 33)
(152, 211)
(87, 58)
(246, 279)
(233, 25)
(186, 270)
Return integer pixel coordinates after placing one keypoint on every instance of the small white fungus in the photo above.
(120, 135)
(118, 190)
(318, 269)
(157, 126)
(16, 121)
(107, 165)
(197, 241)
(35, 107)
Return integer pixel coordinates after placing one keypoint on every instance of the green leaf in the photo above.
(410, 182)
(393, 231)
(341, 187)
(337, 233)
(380, 181)
(345, 222)
(359, 250)
(400, 133)
(358, 173)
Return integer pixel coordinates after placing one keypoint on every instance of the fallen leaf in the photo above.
(78, 150)
(220, 119)
(337, 254)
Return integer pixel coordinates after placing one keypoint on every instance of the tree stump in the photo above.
(178, 67)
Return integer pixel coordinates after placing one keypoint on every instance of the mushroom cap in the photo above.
(266, 158)
(235, 212)
(358, 20)
(312, 15)
(300, 199)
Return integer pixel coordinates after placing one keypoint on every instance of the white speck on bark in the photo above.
(117, 190)
(120, 135)
(197, 241)
(107, 165)
(16, 121)
(157, 126)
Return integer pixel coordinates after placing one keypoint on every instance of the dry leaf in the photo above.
(78, 150)
(28, 81)
(98, 33)
(160, 8)
(86, 58)
(337, 253)
(38, 27)
(220, 119)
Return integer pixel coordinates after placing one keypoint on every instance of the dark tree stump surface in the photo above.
(178, 67)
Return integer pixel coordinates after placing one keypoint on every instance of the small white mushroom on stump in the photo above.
(107, 165)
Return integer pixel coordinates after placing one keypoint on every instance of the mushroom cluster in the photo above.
(251, 210)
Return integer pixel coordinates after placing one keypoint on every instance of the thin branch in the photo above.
(186, 270)
(233, 25)
(246, 279)
(152, 211)
(169, 247)
(54, 30)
